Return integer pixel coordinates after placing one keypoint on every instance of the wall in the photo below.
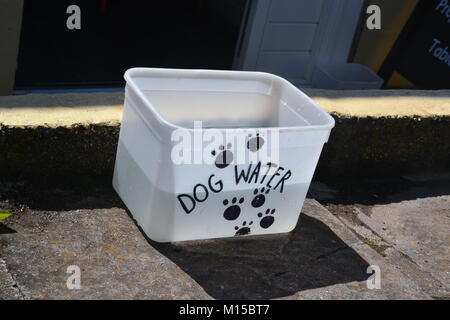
(10, 24)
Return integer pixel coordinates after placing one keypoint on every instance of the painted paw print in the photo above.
(244, 229)
(260, 197)
(234, 210)
(254, 143)
(224, 157)
(268, 219)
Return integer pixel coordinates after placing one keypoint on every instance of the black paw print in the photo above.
(233, 211)
(260, 197)
(254, 143)
(224, 157)
(244, 229)
(268, 219)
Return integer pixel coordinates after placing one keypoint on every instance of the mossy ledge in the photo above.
(357, 147)
(372, 146)
(73, 136)
(79, 153)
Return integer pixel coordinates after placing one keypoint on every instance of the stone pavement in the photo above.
(323, 258)
(413, 235)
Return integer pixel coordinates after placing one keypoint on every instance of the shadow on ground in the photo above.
(380, 190)
(75, 194)
(5, 229)
(57, 196)
(267, 267)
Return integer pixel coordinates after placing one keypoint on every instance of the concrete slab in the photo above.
(61, 110)
(383, 103)
(115, 260)
(410, 234)
(419, 229)
(321, 258)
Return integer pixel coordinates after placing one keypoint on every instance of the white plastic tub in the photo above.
(187, 201)
(345, 76)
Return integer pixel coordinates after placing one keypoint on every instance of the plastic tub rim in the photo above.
(132, 85)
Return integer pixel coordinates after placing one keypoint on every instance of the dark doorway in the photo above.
(118, 34)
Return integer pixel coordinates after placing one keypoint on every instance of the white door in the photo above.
(289, 37)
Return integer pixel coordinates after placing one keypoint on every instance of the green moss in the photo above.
(373, 245)
(4, 215)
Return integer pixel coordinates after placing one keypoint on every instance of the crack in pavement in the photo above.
(395, 256)
(13, 284)
(329, 253)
